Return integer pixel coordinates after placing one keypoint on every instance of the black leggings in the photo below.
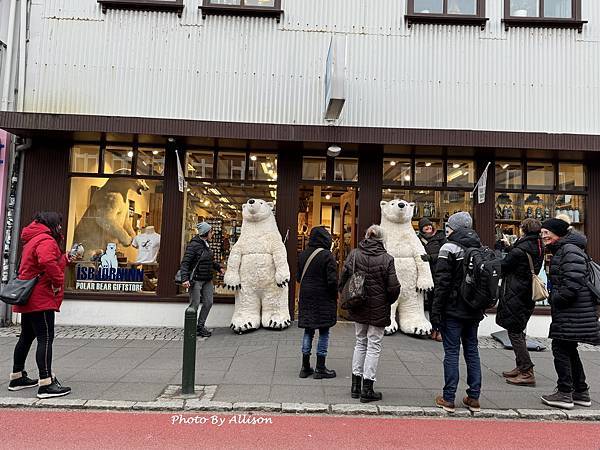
(34, 325)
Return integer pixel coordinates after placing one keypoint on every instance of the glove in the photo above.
(425, 258)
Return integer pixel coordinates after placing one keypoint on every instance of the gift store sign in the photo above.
(109, 279)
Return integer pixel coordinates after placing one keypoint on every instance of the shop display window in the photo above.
(85, 158)
(314, 168)
(199, 163)
(346, 169)
(231, 165)
(263, 166)
(118, 160)
(509, 175)
(117, 222)
(461, 173)
(397, 171)
(571, 177)
(429, 172)
(150, 162)
(540, 176)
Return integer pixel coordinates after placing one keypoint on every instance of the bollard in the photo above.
(188, 373)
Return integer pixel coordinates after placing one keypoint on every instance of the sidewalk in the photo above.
(138, 364)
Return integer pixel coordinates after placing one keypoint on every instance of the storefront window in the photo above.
(571, 177)
(85, 158)
(461, 173)
(572, 206)
(263, 166)
(346, 169)
(429, 172)
(509, 175)
(151, 162)
(231, 166)
(397, 171)
(540, 175)
(314, 168)
(118, 160)
(117, 221)
(199, 164)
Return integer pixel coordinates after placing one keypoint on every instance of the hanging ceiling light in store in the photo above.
(392, 163)
(328, 197)
(155, 152)
(406, 177)
(253, 158)
(130, 154)
(427, 164)
(455, 165)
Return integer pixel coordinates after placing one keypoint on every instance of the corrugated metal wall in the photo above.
(156, 64)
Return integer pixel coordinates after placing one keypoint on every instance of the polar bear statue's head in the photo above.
(397, 211)
(256, 210)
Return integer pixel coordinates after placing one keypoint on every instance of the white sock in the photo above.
(16, 375)
(45, 381)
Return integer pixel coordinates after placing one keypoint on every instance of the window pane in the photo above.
(509, 175)
(129, 247)
(231, 165)
(263, 166)
(314, 168)
(267, 3)
(558, 8)
(225, 2)
(461, 173)
(524, 8)
(117, 160)
(199, 164)
(571, 177)
(462, 7)
(397, 170)
(572, 206)
(429, 6)
(346, 169)
(509, 208)
(540, 176)
(84, 158)
(151, 161)
(429, 172)
(453, 202)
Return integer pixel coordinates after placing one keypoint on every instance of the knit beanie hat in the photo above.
(203, 228)
(423, 223)
(557, 226)
(460, 220)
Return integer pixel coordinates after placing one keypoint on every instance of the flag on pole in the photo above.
(481, 186)
(180, 177)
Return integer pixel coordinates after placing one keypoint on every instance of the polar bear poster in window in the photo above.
(258, 270)
(413, 273)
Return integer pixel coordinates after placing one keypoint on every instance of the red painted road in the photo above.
(48, 429)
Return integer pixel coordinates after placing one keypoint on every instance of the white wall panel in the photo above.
(155, 64)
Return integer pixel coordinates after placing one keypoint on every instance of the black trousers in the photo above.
(569, 368)
(519, 345)
(34, 325)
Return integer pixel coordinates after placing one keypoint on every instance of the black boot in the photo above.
(321, 371)
(202, 331)
(306, 370)
(367, 394)
(356, 380)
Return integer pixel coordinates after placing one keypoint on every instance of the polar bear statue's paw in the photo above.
(392, 328)
(282, 279)
(241, 326)
(232, 280)
(424, 284)
(418, 326)
(276, 321)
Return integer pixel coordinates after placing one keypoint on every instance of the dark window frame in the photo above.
(209, 8)
(175, 6)
(573, 22)
(477, 19)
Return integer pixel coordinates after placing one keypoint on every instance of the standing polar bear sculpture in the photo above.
(414, 274)
(258, 270)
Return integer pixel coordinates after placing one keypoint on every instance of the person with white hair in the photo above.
(381, 289)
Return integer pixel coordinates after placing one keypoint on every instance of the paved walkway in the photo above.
(263, 367)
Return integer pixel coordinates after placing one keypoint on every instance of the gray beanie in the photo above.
(203, 228)
(460, 220)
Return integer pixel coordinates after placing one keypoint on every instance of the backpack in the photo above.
(593, 279)
(482, 282)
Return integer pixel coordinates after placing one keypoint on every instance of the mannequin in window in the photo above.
(148, 244)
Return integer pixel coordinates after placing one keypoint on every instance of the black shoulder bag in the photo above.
(17, 292)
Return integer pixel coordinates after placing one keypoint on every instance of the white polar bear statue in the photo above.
(413, 273)
(258, 270)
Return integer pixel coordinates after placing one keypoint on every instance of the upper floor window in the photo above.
(542, 13)
(269, 8)
(469, 12)
(145, 5)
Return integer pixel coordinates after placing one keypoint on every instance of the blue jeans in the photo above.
(454, 332)
(309, 334)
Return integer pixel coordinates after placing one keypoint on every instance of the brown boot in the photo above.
(513, 373)
(523, 379)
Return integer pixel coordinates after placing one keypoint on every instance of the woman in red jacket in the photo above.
(41, 256)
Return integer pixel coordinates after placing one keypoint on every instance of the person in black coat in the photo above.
(516, 305)
(381, 287)
(574, 312)
(317, 305)
(197, 268)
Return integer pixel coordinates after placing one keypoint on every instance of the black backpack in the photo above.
(482, 282)
(593, 280)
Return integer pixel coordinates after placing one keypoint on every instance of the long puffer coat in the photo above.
(317, 305)
(381, 283)
(198, 253)
(516, 306)
(574, 309)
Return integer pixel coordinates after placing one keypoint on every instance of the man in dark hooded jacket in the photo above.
(451, 314)
(317, 305)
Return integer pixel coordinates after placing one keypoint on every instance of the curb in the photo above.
(194, 405)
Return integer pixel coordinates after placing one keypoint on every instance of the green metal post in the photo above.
(188, 375)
